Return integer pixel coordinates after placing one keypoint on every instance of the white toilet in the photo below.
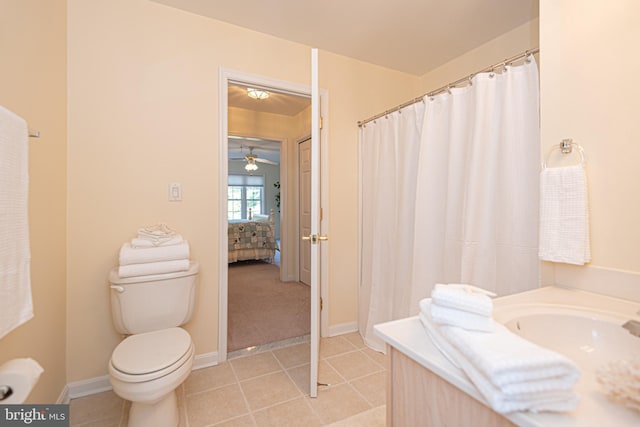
(157, 356)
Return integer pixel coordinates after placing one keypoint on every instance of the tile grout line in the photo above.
(244, 397)
(305, 397)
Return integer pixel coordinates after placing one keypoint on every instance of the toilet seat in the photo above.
(151, 355)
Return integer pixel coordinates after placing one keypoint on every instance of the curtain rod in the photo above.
(501, 64)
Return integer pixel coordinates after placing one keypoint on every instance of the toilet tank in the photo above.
(149, 303)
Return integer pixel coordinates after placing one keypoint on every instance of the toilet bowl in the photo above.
(157, 355)
(146, 369)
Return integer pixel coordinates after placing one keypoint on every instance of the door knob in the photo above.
(314, 238)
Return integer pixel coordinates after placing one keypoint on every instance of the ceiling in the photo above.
(277, 103)
(262, 148)
(413, 36)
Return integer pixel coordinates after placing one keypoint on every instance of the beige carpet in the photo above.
(261, 308)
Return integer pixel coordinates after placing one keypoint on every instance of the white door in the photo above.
(314, 239)
(304, 185)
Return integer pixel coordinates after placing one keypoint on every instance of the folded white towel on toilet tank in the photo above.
(141, 242)
(150, 268)
(130, 255)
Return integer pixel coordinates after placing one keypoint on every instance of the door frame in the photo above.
(227, 76)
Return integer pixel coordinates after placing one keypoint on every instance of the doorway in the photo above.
(265, 128)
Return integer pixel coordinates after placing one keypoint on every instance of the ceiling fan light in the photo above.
(251, 165)
(257, 93)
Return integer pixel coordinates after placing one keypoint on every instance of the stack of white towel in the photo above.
(155, 250)
(511, 373)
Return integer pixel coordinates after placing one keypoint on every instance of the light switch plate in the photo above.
(175, 192)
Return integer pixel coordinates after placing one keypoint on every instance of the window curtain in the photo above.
(454, 200)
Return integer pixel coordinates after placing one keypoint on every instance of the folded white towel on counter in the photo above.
(506, 358)
(552, 394)
(150, 243)
(461, 319)
(564, 215)
(153, 268)
(463, 297)
(130, 255)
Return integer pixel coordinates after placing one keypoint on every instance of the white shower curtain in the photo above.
(451, 198)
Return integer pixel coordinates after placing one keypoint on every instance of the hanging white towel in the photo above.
(564, 215)
(16, 306)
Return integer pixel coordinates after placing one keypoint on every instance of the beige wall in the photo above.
(33, 85)
(143, 111)
(518, 40)
(589, 92)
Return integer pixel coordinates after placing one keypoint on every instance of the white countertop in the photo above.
(594, 410)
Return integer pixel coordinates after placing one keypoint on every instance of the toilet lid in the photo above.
(151, 351)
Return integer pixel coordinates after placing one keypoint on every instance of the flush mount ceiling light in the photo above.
(251, 165)
(257, 93)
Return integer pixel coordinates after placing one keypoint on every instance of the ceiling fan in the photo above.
(251, 160)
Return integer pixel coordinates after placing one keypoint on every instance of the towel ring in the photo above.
(566, 146)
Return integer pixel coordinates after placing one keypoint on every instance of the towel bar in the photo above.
(566, 147)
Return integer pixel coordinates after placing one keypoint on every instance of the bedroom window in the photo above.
(244, 192)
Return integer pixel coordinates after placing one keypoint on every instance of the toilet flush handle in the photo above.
(117, 288)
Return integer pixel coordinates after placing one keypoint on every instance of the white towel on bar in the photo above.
(130, 255)
(463, 297)
(564, 215)
(150, 268)
(16, 306)
(551, 394)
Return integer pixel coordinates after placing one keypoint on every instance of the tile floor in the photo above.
(270, 388)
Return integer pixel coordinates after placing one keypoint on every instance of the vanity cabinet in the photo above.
(418, 397)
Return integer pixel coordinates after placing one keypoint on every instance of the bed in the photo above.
(252, 239)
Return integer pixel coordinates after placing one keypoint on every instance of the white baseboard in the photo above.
(64, 396)
(205, 360)
(99, 384)
(343, 328)
(86, 387)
